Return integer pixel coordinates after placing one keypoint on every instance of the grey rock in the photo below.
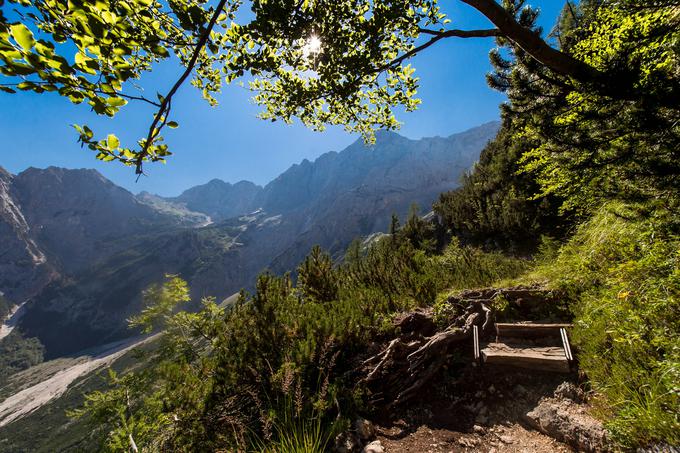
(567, 422)
(469, 442)
(374, 447)
(506, 439)
(24, 270)
(346, 442)
(568, 390)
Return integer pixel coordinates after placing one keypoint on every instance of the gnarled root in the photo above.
(400, 370)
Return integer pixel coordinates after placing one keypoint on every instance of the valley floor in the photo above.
(43, 383)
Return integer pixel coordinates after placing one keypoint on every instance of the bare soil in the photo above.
(482, 410)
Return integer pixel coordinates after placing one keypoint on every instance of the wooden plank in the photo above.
(529, 330)
(565, 345)
(545, 358)
(475, 341)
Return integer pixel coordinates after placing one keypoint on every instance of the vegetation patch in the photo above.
(18, 353)
(5, 307)
(622, 272)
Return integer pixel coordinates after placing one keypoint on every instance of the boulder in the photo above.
(568, 422)
(346, 443)
(567, 390)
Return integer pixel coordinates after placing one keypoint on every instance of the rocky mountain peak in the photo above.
(219, 199)
(23, 269)
(4, 174)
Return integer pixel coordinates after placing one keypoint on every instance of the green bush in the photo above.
(469, 267)
(273, 370)
(623, 272)
(18, 353)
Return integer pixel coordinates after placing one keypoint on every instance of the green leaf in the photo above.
(112, 141)
(116, 102)
(172, 124)
(23, 36)
(161, 51)
(26, 86)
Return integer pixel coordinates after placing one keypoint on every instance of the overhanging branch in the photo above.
(437, 36)
(487, 33)
(165, 104)
(560, 62)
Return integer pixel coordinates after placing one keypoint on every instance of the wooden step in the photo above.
(529, 330)
(544, 358)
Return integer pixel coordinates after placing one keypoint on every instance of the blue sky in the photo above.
(228, 141)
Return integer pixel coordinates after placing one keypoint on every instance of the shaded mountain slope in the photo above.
(78, 216)
(94, 305)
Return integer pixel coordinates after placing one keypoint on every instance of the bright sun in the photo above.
(312, 47)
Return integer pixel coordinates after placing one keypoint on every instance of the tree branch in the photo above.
(165, 104)
(120, 95)
(489, 33)
(439, 35)
(533, 44)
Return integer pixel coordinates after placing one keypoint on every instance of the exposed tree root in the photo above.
(407, 363)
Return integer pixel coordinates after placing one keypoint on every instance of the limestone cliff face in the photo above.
(394, 163)
(23, 266)
(108, 245)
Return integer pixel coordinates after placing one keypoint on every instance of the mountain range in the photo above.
(78, 250)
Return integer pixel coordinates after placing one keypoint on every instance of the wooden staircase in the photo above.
(543, 347)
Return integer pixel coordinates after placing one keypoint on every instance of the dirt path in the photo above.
(478, 411)
(28, 400)
(495, 439)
